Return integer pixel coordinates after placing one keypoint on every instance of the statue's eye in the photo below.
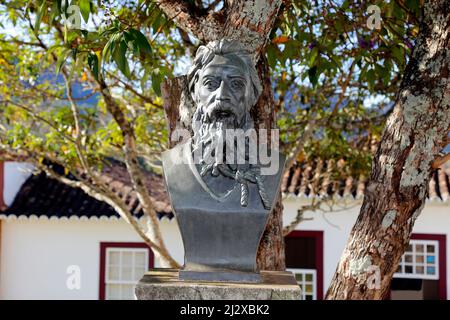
(211, 84)
(237, 84)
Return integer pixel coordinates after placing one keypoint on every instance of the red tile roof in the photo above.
(42, 196)
(315, 178)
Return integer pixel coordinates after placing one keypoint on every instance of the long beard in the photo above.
(209, 142)
(206, 147)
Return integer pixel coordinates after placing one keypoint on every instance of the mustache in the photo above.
(202, 123)
(220, 110)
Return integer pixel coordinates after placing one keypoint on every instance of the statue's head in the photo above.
(224, 85)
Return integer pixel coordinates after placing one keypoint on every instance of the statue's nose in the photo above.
(223, 92)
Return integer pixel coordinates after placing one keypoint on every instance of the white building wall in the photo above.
(15, 175)
(336, 227)
(35, 255)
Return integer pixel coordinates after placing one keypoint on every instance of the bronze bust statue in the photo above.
(220, 190)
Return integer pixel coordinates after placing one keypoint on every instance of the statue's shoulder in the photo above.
(175, 154)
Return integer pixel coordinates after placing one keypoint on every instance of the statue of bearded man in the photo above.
(215, 182)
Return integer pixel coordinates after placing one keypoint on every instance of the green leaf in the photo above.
(144, 79)
(62, 59)
(339, 26)
(271, 56)
(398, 12)
(72, 35)
(313, 76)
(336, 61)
(313, 56)
(110, 47)
(119, 57)
(141, 41)
(137, 42)
(387, 75)
(77, 66)
(40, 14)
(52, 49)
(290, 51)
(107, 32)
(398, 55)
(156, 82)
(370, 75)
(131, 42)
(157, 23)
(93, 64)
(55, 10)
(85, 8)
(74, 53)
(106, 52)
(413, 6)
(345, 4)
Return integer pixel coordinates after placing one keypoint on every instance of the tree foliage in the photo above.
(70, 72)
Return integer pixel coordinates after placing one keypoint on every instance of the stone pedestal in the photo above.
(163, 284)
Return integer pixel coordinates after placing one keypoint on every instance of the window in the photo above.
(420, 261)
(421, 274)
(121, 267)
(304, 258)
(307, 280)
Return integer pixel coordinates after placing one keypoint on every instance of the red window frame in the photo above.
(2, 185)
(442, 240)
(104, 246)
(318, 236)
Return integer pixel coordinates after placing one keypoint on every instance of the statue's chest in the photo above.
(187, 189)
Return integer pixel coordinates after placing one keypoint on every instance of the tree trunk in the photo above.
(402, 168)
(271, 255)
(250, 22)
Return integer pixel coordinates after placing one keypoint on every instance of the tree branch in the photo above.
(153, 235)
(187, 42)
(105, 196)
(299, 217)
(344, 89)
(99, 192)
(135, 173)
(130, 88)
(440, 160)
(205, 27)
(36, 116)
(309, 129)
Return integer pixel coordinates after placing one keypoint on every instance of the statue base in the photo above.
(220, 276)
(164, 284)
